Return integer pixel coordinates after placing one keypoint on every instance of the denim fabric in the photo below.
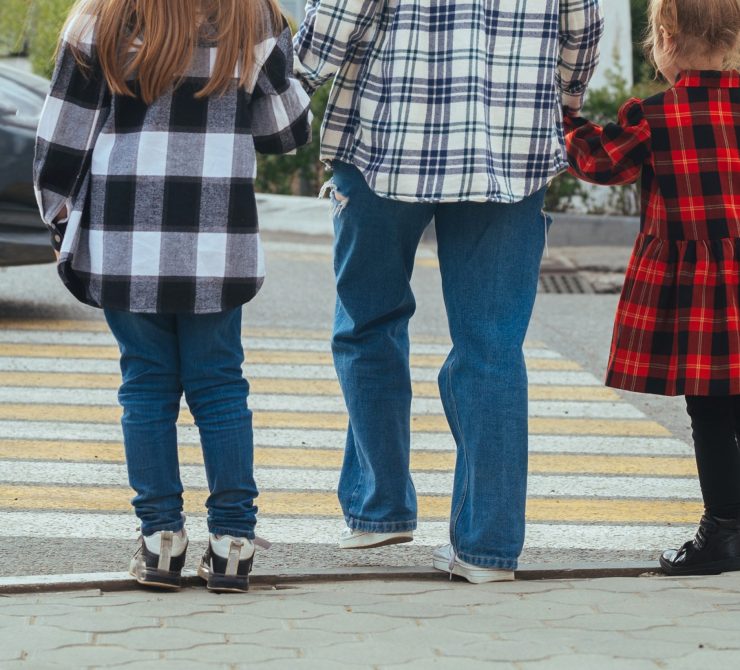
(163, 355)
(489, 255)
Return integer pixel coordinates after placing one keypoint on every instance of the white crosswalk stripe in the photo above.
(322, 531)
(302, 403)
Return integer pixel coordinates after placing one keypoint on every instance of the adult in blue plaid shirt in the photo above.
(444, 110)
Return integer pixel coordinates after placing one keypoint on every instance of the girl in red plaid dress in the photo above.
(677, 329)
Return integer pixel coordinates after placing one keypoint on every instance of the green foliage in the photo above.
(641, 68)
(35, 25)
(47, 19)
(13, 23)
(302, 173)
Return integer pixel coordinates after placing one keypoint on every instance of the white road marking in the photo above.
(250, 343)
(284, 371)
(335, 439)
(297, 479)
(65, 525)
(302, 403)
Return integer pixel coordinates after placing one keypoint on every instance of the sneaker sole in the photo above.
(157, 580)
(473, 576)
(223, 584)
(379, 543)
(716, 568)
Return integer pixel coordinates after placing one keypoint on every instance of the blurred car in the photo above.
(24, 239)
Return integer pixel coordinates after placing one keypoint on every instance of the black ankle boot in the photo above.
(715, 549)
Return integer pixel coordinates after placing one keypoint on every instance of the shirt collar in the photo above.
(709, 79)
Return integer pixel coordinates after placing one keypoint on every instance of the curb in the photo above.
(122, 581)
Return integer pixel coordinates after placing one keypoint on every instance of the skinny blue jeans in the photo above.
(162, 356)
(489, 257)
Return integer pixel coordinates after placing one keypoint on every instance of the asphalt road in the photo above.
(298, 297)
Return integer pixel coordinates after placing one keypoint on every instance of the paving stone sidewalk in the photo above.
(630, 623)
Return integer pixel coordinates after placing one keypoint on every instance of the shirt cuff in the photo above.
(57, 231)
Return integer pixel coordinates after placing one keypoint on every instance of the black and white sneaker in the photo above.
(227, 563)
(160, 558)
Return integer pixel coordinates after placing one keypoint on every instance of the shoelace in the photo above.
(453, 558)
(706, 528)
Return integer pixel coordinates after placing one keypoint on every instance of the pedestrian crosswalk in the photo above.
(602, 475)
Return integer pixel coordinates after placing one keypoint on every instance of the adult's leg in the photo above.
(490, 257)
(150, 395)
(211, 357)
(714, 424)
(375, 245)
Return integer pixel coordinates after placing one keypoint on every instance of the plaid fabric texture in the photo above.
(161, 200)
(677, 329)
(453, 100)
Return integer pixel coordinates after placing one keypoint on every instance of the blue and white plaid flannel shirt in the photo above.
(449, 100)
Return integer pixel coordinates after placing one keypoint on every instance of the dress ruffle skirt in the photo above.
(677, 328)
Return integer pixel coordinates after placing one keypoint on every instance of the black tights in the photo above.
(715, 422)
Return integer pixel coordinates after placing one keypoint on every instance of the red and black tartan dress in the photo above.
(677, 327)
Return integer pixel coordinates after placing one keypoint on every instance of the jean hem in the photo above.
(150, 529)
(495, 562)
(234, 532)
(380, 526)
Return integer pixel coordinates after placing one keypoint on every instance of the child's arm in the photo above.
(610, 155)
(281, 115)
(69, 126)
(329, 30)
(581, 28)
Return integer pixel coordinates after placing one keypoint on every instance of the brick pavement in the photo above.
(615, 623)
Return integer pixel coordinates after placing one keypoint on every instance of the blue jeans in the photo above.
(163, 355)
(489, 257)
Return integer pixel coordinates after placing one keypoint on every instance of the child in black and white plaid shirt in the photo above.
(144, 172)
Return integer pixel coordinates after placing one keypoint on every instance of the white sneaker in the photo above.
(446, 560)
(160, 558)
(227, 563)
(362, 539)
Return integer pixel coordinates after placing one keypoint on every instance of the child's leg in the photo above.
(715, 422)
(150, 395)
(716, 547)
(211, 357)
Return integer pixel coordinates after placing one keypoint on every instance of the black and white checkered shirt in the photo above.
(162, 213)
(449, 100)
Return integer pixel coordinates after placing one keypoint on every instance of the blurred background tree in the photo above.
(13, 26)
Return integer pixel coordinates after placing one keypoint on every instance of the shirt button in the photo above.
(57, 238)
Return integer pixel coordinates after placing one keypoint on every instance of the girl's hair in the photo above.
(153, 41)
(697, 26)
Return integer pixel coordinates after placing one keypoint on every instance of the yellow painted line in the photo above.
(573, 393)
(320, 504)
(60, 380)
(426, 263)
(90, 326)
(83, 326)
(644, 466)
(290, 457)
(15, 350)
(330, 421)
(264, 385)
(258, 385)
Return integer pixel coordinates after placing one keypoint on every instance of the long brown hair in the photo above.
(153, 41)
(701, 26)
